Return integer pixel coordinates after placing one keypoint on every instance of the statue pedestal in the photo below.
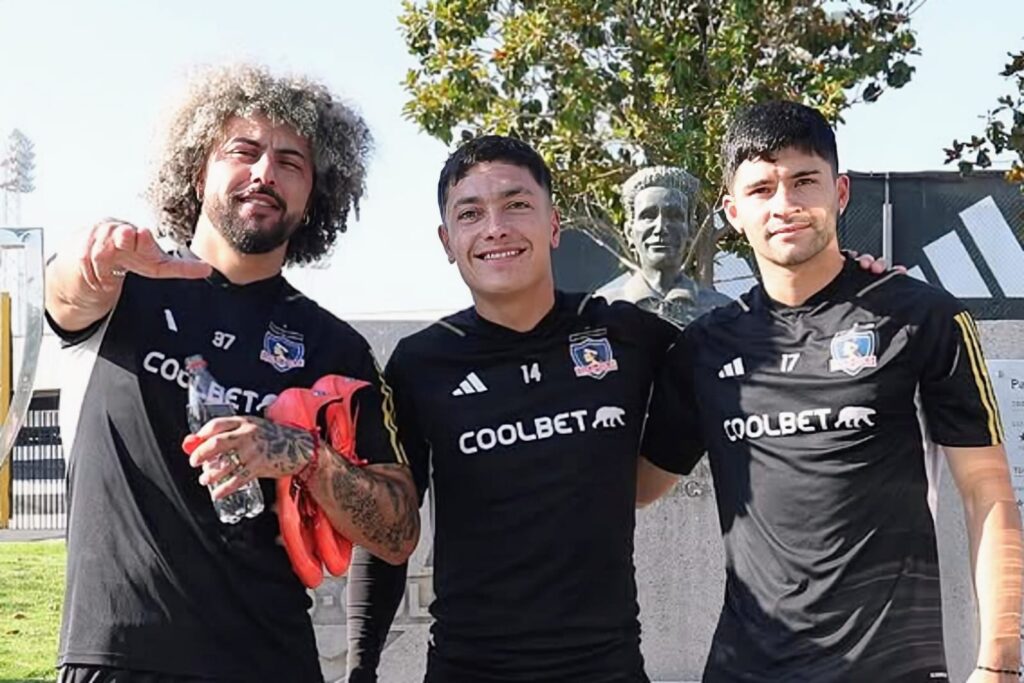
(680, 575)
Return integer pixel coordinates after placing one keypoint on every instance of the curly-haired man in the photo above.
(258, 171)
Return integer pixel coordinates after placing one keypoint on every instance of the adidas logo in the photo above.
(733, 368)
(470, 385)
(999, 249)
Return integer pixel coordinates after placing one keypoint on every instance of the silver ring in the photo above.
(117, 272)
(235, 459)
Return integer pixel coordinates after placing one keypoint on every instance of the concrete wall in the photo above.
(679, 568)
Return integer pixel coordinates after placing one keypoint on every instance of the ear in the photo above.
(843, 190)
(442, 234)
(731, 213)
(556, 228)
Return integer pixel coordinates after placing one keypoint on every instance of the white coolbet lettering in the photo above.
(148, 361)
(523, 436)
(562, 425)
(464, 444)
(539, 428)
(784, 423)
(787, 423)
(486, 438)
(507, 434)
(171, 369)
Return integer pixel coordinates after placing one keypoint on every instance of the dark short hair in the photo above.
(761, 130)
(490, 148)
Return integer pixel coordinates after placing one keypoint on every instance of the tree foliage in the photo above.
(1004, 129)
(602, 87)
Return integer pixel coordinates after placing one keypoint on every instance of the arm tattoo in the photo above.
(286, 448)
(377, 505)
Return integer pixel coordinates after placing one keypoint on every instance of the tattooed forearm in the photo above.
(376, 508)
(286, 448)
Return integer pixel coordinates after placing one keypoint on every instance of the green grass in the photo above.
(31, 592)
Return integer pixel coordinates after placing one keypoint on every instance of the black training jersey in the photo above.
(808, 414)
(155, 582)
(530, 443)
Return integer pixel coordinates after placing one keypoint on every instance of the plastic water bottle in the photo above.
(205, 402)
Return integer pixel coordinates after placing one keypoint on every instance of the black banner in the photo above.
(960, 233)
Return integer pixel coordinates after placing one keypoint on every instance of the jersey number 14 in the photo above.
(531, 373)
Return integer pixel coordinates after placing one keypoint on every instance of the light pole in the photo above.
(16, 170)
(17, 165)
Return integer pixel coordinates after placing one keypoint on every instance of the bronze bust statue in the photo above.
(660, 203)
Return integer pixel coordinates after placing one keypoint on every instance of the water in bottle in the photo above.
(206, 401)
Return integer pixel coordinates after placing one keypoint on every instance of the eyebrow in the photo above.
(796, 176)
(291, 151)
(510, 192)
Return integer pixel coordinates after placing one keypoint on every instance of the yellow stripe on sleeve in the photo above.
(387, 406)
(976, 338)
(981, 378)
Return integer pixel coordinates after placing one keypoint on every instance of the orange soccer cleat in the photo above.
(326, 409)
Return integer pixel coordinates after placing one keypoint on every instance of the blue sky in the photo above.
(89, 82)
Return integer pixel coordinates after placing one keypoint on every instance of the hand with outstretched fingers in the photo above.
(112, 248)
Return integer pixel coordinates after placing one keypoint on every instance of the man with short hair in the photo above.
(523, 415)
(661, 214)
(259, 171)
(803, 393)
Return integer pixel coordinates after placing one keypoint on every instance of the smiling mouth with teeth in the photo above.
(494, 255)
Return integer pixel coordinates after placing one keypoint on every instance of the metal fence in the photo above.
(37, 470)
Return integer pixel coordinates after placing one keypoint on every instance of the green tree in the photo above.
(1004, 129)
(601, 87)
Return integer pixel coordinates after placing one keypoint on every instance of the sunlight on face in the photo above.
(787, 206)
(499, 229)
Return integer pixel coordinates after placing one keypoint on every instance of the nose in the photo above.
(495, 227)
(782, 203)
(262, 170)
(660, 227)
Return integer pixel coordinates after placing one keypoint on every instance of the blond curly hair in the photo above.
(338, 136)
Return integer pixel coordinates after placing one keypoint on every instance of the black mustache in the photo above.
(267, 190)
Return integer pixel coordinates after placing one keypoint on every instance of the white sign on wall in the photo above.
(1008, 382)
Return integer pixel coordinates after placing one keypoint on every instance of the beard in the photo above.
(246, 235)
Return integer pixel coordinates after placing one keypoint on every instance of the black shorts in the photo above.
(89, 673)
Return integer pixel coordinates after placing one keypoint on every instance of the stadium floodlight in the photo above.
(17, 166)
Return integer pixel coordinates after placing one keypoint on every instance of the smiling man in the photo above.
(804, 393)
(523, 415)
(259, 171)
